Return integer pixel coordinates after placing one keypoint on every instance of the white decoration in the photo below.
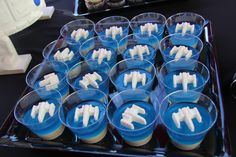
(80, 33)
(134, 77)
(90, 79)
(50, 82)
(130, 115)
(65, 55)
(187, 115)
(101, 54)
(181, 51)
(184, 27)
(42, 109)
(139, 50)
(86, 111)
(114, 31)
(149, 28)
(185, 78)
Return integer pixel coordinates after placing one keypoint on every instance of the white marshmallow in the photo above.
(185, 78)
(50, 82)
(134, 77)
(181, 51)
(139, 50)
(101, 54)
(114, 31)
(185, 27)
(65, 55)
(80, 33)
(90, 79)
(131, 115)
(149, 28)
(187, 115)
(42, 109)
(86, 111)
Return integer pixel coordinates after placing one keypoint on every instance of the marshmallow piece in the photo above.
(134, 77)
(65, 55)
(185, 78)
(139, 50)
(149, 28)
(101, 54)
(181, 51)
(90, 79)
(114, 31)
(185, 27)
(80, 33)
(86, 111)
(187, 115)
(50, 81)
(130, 115)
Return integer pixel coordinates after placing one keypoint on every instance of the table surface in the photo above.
(36, 37)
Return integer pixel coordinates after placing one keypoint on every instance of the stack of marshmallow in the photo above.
(50, 81)
(80, 33)
(134, 77)
(90, 79)
(185, 27)
(114, 31)
(181, 51)
(101, 54)
(149, 28)
(139, 50)
(65, 55)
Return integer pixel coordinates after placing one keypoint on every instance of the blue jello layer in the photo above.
(185, 136)
(158, 35)
(197, 31)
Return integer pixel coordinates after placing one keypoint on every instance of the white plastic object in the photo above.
(114, 31)
(149, 28)
(90, 79)
(50, 82)
(79, 34)
(181, 51)
(86, 111)
(42, 109)
(101, 53)
(131, 115)
(134, 77)
(139, 50)
(186, 115)
(185, 78)
(65, 55)
(184, 27)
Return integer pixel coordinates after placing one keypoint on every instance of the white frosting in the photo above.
(101, 54)
(186, 115)
(184, 78)
(114, 31)
(65, 55)
(185, 27)
(86, 111)
(134, 77)
(50, 82)
(139, 50)
(90, 79)
(181, 51)
(80, 33)
(130, 115)
(149, 28)
(42, 109)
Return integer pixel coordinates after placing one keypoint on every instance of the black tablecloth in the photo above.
(36, 37)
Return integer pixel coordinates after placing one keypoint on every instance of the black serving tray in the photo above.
(216, 143)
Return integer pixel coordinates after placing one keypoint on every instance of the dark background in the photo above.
(33, 39)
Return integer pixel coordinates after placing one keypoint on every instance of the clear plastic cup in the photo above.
(98, 43)
(150, 17)
(129, 42)
(193, 67)
(51, 127)
(77, 72)
(194, 19)
(182, 137)
(118, 72)
(51, 49)
(37, 73)
(141, 134)
(96, 130)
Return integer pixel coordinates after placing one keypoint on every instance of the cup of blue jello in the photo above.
(100, 48)
(133, 115)
(89, 75)
(84, 113)
(187, 122)
(133, 74)
(140, 46)
(49, 75)
(150, 23)
(185, 23)
(176, 46)
(175, 75)
(77, 31)
(59, 50)
(38, 111)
